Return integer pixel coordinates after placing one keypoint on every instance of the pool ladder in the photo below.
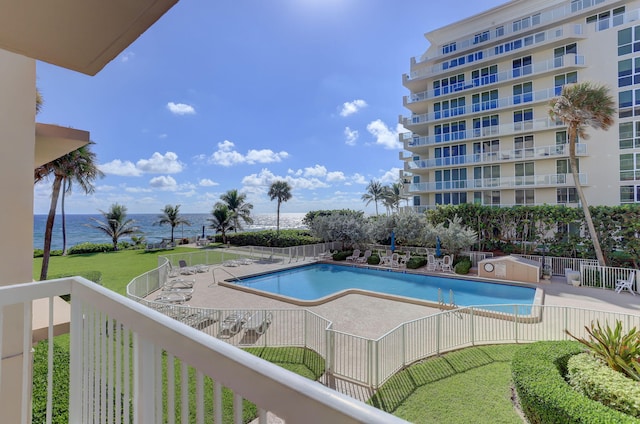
(213, 272)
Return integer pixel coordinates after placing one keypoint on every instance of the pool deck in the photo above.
(372, 317)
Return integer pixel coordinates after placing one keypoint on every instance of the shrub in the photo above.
(61, 360)
(416, 262)
(270, 238)
(593, 378)
(538, 375)
(374, 259)
(619, 351)
(90, 248)
(463, 265)
(342, 255)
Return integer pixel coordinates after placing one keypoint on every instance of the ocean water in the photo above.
(80, 231)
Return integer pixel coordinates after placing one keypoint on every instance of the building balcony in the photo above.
(500, 183)
(545, 17)
(119, 372)
(540, 40)
(516, 155)
(417, 144)
(489, 106)
(417, 102)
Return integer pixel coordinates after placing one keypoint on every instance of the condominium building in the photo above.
(479, 97)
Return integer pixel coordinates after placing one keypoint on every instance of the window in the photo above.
(448, 85)
(525, 197)
(562, 79)
(479, 38)
(578, 5)
(607, 19)
(451, 198)
(500, 31)
(448, 108)
(416, 179)
(485, 125)
(523, 93)
(629, 103)
(485, 101)
(560, 52)
(563, 168)
(629, 72)
(566, 195)
(522, 66)
(524, 173)
(491, 198)
(484, 76)
(523, 146)
(629, 135)
(416, 200)
(486, 176)
(450, 155)
(523, 119)
(449, 179)
(630, 194)
(449, 48)
(450, 131)
(630, 167)
(628, 40)
(521, 24)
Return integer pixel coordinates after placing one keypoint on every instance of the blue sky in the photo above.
(223, 95)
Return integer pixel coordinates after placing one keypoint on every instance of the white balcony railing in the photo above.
(130, 363)
(548, 180)
(543, 152)
(533, 70)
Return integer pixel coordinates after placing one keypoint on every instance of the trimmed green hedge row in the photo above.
(595, 379)
(270, 238)
(546, 398)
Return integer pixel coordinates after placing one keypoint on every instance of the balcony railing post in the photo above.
(144, 381)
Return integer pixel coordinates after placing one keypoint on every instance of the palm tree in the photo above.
(392, 196)
(83, 171)
(238, 206)
(79, 166)
(579, 106)
(171, 215)
(222, 220)
(115, 223)
(280, 190)
(375, 192)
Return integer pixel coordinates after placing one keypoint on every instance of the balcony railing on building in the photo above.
(547, 180)
(544, 152)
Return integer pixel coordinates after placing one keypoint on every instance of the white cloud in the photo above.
(126, 56)
(160, 164)
(316, 171)
(227, 156)
(391, 176)
(349, 108)
(163, 182)
(359, 179)
(206, 182)
(120, 168)
(384, 136)
(181, 108)
(335, 176)
(351, 136)
(260, 182)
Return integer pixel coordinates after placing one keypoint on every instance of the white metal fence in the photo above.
(129, 363)
(559, 265)
(605, 277)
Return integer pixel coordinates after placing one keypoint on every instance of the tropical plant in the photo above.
(115, 224)
(222, 220)
(392, 196)
(374, 193)
(239, 207)
(349, 229)
(621, 352)
(580, 106)
(280, 190)
(171, 215)
(77, 166)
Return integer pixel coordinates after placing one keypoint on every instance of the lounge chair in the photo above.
(178, 284)
(199, 320)
(354, 256)
(173, 297)
(185, 269)
(363, 259)
(626, 284)
(232, 324)
(385, 258)
(258, 322)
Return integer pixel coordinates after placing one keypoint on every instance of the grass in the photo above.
(472, 385)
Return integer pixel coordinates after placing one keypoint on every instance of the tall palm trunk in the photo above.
(278, 219)
(55, 192)
(64, 219)
(583, 200)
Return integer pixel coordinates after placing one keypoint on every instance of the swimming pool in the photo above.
(317, 282)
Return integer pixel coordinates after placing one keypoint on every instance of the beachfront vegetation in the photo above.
(269, 238)
(171, 215)
(580, 106)
(115, 224)
(79, 166)
(280, 191)
(239, 207)
(374, 193)
(221, 220)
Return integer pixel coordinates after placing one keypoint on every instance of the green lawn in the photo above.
(472, 385)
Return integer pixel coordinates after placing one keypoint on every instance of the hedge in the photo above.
(270, 238)
(546, 397)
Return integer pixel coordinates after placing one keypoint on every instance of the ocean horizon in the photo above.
(79, 230)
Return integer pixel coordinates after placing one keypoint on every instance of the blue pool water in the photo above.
(316, 281)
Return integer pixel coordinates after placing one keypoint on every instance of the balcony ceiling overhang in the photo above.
(53, 141)
(82, 35)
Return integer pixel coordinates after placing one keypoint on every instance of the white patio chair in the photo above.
(446, 263)
(258, 322)
(431, 263)
(626, 284)
(363, 259)
(354, 256)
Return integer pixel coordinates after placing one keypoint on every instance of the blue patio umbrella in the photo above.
(393, 241)
(438, 251)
